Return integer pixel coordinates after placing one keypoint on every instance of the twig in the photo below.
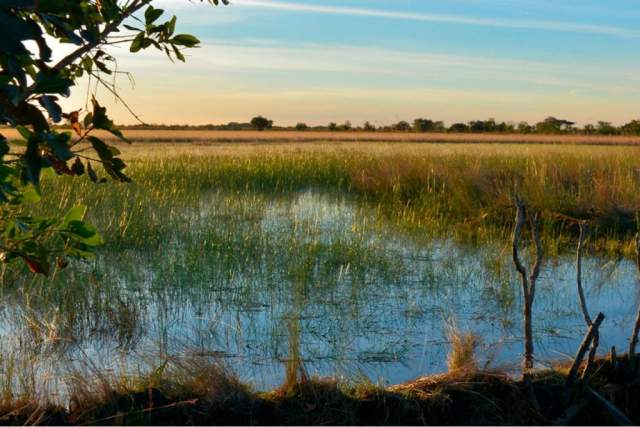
(571, 378)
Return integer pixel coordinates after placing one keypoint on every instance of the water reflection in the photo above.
(264, 283)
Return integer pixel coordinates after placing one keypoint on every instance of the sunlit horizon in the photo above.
(377, 61)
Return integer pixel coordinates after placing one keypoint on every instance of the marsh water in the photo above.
(259, 282)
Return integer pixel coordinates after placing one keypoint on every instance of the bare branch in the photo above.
(528, 282)
(582, 350)
(583, 302)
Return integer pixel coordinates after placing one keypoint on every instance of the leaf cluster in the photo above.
(31, 86)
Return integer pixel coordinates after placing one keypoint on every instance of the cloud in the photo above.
(442, 18)
(392, 67)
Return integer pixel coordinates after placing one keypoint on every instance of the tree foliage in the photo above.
(31, 85)
(261, 123)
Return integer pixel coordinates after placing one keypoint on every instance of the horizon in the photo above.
(319, 62)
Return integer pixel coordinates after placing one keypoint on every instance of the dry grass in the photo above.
(196, 394)
(295, 136)
(462, 353)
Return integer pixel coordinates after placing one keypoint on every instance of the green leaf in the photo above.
(30, 195)
(186, 40)
(52, 82)
(49, 103)
(101, 121)
(137, 42)
(151, 15)
(83, 232)
(101, 148)
(76, 213)
(59, 145)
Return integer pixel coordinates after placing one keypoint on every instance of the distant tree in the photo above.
(458, 128)
(589, 129)
(504, 127)
(402, 126)
(631, 128)
(553, 125)
(439, 126)
(477, 126)
(524, 127)
(302, 127)
(423, 125)
(346, 126)
(333, 126)
(368, 127)
(605, 128)
(261, 123)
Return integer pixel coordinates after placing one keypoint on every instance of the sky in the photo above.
(317, 61)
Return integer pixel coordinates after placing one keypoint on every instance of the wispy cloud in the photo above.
(441, 18)
(319, 64)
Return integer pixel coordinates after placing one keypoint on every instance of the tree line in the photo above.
(550, 125)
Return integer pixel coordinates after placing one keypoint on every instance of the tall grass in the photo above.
(463, 191)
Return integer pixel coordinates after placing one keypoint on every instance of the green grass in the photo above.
(466, 193)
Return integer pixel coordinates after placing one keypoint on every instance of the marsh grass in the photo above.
(460, 191)
(196, 219)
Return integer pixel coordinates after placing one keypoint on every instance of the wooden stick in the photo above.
(528, 280)
(583, 301)
(583, 350)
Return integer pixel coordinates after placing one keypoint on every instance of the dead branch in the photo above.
(586, 342)
(583, 301)
(528, 280)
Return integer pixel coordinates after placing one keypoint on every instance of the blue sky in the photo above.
(456, 60)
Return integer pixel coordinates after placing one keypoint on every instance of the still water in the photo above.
(257, 281)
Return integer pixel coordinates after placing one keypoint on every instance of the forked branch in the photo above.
(528, 280)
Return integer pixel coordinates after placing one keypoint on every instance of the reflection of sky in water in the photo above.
(366, 299)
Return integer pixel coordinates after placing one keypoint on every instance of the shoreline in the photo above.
(466, 396)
